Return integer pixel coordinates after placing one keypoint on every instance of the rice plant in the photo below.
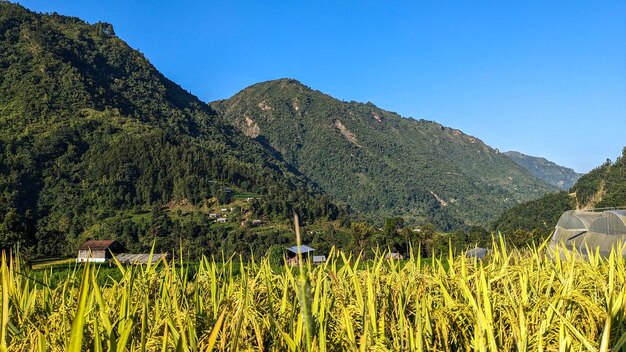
(510, 301)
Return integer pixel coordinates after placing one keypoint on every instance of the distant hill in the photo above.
(556, 175)
(379, 163)
(604, 186)
(95, 142)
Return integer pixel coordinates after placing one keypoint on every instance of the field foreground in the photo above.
(509, 301)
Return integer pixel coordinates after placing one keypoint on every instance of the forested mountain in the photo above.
(379, 163)
(95, 142)
(556, 175)
(602, 187)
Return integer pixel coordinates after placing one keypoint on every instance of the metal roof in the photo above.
(394, 255)
(303, 249)
(96, 245)
(319, 258)
(140, 258)
(476, 252)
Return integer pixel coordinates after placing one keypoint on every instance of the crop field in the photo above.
(509, 301)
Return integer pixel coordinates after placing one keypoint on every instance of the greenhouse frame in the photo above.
(584, 231)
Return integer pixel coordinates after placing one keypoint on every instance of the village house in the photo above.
(292, 254)
(98, 251)
(221, 220)
(101, 251)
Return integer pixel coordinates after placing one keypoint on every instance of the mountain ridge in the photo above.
(378, 161)
(552, 173)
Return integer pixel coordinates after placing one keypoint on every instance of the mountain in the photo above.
(602, 187)
(556, 175)
(95, 142)
(377, 162)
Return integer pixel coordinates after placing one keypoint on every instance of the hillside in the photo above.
(556, 175)
(95, 142)
(379, 163)
(604, 186)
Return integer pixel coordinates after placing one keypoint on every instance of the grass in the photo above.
(53, 263)
(510, 301)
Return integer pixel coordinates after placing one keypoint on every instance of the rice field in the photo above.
(509, 301)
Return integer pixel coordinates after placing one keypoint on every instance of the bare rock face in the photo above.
(250, 128)
(346, 133)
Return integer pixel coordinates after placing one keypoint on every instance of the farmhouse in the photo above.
(101, 251)
(292, 254)
(98, 251)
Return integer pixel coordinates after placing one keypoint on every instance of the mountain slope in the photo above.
(377, 162)
(602, 187)
(553, 174)
(92, 134)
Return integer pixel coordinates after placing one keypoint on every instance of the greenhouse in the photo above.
(596, 230)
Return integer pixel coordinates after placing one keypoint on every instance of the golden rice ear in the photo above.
(515, 300)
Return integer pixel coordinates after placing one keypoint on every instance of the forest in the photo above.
(92, 135)
(96, 143)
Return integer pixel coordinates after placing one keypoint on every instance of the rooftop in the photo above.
(96, 245)
(303, 249)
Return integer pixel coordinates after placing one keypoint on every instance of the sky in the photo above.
(546, 78)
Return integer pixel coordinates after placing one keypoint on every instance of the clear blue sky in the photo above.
(547, 78)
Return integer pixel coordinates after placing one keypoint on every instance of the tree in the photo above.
(276, 255)
(12, 230)
(478, 236)
(459, 240)
(361, 234)
(426, 237)
(392, 225)
(518, 238)
(160, 229)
